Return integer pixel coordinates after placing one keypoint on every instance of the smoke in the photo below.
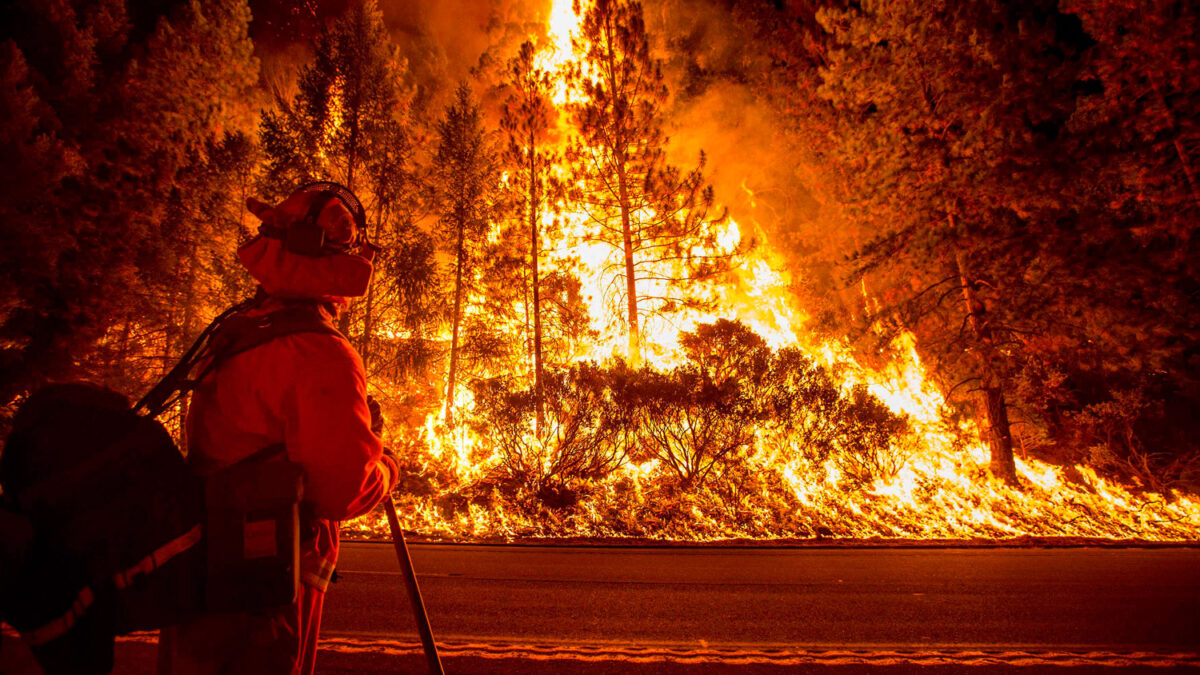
(454, 41)
(759, 166)
(443, 43)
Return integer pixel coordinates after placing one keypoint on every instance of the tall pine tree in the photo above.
(947, 113)
(655, 215)
(348, 123)
(463, 181)
(528, 122)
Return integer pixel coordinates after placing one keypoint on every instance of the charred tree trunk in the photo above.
(527, 302)
(1180, 150)
(619, 147)
(351, 160)
(364, 342)
(534, 204)
(458, 297)
(999, 435)
(368, 328)
(635, 342)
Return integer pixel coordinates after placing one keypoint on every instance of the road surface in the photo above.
(697, 611)
(832, 606)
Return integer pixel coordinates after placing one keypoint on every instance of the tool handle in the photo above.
(414, 592)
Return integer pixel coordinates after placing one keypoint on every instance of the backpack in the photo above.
(118, 534)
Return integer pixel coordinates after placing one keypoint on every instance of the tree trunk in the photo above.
(635, 342)
(1180, 152)
(527, 303)
(539, 405)
(618, 147)
(186, 334)
(351, 160)
(999, 435)
(352, 148)
(364, 342)
(364, 349)
(458, 273)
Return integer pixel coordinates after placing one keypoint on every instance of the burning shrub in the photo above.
(855, 430)
(802, 401)
(689, 423)
(727, 351)
(871, 443)
(578, 442)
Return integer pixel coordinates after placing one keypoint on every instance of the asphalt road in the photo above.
(778, 602)
(699, 611)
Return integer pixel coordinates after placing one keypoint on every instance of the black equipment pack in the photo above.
(108, 531)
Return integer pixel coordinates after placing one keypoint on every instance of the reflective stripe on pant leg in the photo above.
(312, 601)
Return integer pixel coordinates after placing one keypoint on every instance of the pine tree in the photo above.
(528, 121)
(185, 127)
(948, 115)
(655, 215)
(348, 123)
(133, 109)
(463, 180)
(402, 297)
(350, 97)
(1132, 142)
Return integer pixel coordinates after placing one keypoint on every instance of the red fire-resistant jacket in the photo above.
(307, 391)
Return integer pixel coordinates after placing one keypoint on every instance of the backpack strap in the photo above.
(233, 332)
(242, 333)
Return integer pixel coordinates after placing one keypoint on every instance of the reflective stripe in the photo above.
(122, 580)
(63, 623)
(158, 558)
(315, 570)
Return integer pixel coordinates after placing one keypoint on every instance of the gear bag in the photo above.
(124, 535)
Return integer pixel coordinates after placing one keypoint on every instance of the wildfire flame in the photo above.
(943, 489)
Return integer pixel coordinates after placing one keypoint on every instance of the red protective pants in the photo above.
(275, 642)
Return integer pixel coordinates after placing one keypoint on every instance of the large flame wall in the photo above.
(943, 490)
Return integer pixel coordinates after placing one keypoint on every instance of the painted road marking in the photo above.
(734, 656)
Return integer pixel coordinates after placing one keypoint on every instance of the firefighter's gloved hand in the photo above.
(391, 464)
(376, 416)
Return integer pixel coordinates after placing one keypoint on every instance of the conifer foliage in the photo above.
(112, 124)
(348, 122)
(1016, 182)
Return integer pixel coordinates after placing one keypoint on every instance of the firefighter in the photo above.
(307, 391)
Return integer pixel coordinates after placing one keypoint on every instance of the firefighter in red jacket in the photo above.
(307, 391)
